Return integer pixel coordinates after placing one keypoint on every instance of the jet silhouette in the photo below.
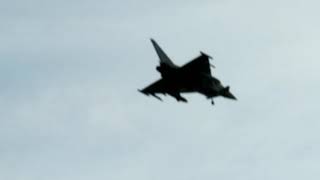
(194, 76)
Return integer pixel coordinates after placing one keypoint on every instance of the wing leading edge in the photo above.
(200, 64)
(164, 86)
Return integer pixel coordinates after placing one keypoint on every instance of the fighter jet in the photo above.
(194, 76)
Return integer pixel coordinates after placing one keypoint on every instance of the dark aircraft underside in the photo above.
(194, 76)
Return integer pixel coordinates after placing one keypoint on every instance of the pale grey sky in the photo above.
(70, 110)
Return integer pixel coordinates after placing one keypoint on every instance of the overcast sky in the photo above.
(70, 110)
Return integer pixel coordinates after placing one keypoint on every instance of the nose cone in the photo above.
(230, 95)
(227, 94)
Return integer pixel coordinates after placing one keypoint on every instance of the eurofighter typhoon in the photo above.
(194, 76)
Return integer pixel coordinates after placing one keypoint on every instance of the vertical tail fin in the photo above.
(164, 59)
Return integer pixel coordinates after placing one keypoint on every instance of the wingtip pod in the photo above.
(209, 57)
(206, 55)
(152, 94)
